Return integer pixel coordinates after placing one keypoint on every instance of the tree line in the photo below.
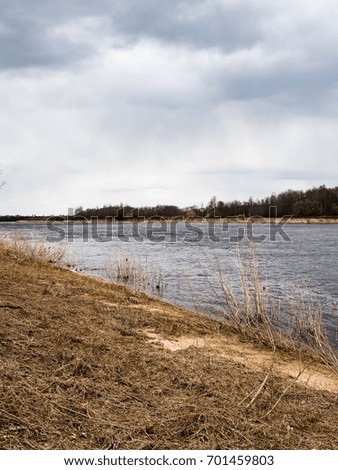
(315, 202)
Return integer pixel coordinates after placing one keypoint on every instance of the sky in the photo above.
(150, 102)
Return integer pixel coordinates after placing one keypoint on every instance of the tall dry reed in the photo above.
(136, 274)
(278, 323)
(29, 250)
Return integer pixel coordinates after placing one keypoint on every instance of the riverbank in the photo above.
(230, 220)
(86, 364)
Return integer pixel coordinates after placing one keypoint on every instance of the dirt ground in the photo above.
(85, 364)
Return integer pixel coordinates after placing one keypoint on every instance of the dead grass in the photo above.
(78, 372)
(134, 273)
(295, 325)
(28, 250)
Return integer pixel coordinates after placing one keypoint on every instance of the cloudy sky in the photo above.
(165, 101)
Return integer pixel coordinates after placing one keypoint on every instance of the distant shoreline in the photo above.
(232, 220)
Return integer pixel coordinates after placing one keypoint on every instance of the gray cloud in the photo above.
(264, 50)
(197, 23)
(27, 40)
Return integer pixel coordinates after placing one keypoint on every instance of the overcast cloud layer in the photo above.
(165, 101)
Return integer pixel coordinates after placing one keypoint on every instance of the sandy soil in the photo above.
(315, 375)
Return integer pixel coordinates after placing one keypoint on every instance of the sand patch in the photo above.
(316, 376)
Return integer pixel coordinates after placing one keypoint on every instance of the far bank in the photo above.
(230, 220)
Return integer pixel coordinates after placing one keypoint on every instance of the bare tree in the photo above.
(2, 183)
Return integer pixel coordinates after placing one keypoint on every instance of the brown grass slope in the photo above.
(84, 365)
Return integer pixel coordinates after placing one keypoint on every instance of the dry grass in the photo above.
(78, 372)
(296, 325)
(28, 250)
(135, 274)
